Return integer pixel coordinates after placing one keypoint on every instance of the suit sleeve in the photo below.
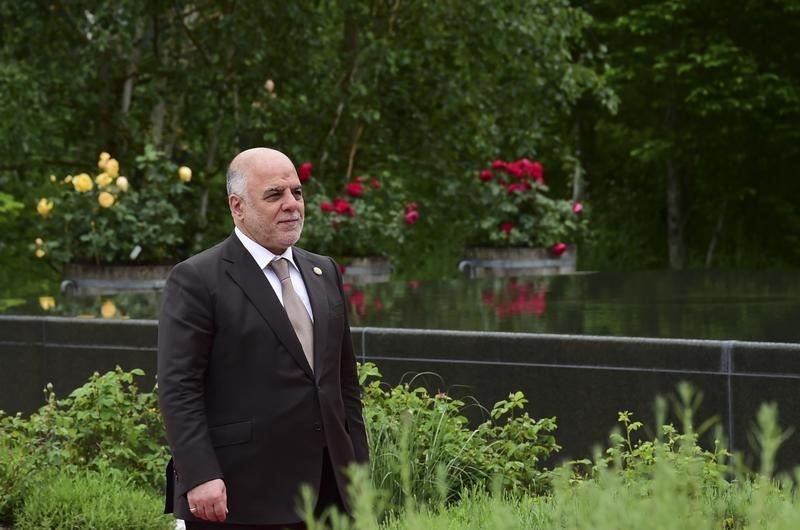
(185, 337)
(351, 390)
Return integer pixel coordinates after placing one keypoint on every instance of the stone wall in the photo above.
(582, 380)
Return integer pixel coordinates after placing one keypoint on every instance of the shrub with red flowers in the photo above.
(511, 199)
(366, 217)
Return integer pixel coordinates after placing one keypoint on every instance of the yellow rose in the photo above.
(47, 302)
(105, 199)
(67, 179)
(108, 309)
(44, 207)
(101, 163)
(185, 174)
(122, 183)
(82, 183)
(40, 253)
(102, 180)
(52, 178)
(112, 167)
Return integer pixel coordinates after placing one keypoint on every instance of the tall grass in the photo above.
(668, 482)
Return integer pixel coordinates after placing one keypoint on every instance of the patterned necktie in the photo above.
(298, 316)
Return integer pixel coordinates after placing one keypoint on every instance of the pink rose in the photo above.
(361, 179)
(577, 208)
(326, 207)
(375, 183)
(410, 206)
(304, 172)
(411, 217)
(485, 175)
(355, 189)
(506, 227)
(559, 248)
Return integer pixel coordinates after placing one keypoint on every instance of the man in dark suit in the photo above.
(256, 374)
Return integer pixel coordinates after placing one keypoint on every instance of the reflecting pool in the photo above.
(760, 306)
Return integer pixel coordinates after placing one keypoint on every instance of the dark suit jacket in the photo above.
(238, 397)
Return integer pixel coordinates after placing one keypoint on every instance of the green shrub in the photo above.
(14, 469)
(88, 501)
(417, 440)
(105, 425)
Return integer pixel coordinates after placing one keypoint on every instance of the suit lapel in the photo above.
(315, 285)
(243, 270)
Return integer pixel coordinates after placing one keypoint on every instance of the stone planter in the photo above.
(484, 262)
(111, 279)
(369, 269)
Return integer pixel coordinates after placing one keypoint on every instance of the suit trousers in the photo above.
(329, 496)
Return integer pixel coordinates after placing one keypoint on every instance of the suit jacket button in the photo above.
(317, 426)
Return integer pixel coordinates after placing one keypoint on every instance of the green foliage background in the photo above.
(607, 95)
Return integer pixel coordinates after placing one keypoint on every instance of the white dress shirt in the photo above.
(264, 257)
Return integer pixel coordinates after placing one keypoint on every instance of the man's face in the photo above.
(272, 211)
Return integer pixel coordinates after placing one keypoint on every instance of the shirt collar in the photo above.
(262, 255)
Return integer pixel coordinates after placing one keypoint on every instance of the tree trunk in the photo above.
(712, 245)
(577, 175)
(675, 219)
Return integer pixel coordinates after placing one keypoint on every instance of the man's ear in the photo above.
(236, 205)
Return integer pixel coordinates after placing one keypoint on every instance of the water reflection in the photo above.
(719, 305)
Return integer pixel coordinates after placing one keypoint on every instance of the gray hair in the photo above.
(235, 182)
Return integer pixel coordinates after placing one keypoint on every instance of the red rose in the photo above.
(518, 186)
(375, 183)
(485, 175)
(539, 303)
(326, 207)
(411, 217)
(498, 164)
(357, 302)
(537, 172)
(410, 206)
(559, 248)
(524, 166)
(342, 207)
(304, 172)
(355, 189)
(577, 208)
(506, 227)
(515, 169)
(361, 178)
(487, 297)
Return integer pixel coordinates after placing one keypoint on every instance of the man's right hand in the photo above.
(209, 501)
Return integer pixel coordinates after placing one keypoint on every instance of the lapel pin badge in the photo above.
(317, 271)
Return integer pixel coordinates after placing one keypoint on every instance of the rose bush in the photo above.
(516, 211)
(368, 216)
(110, 218)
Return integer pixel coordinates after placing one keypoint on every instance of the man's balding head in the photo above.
(247, 161)
(265, 198)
